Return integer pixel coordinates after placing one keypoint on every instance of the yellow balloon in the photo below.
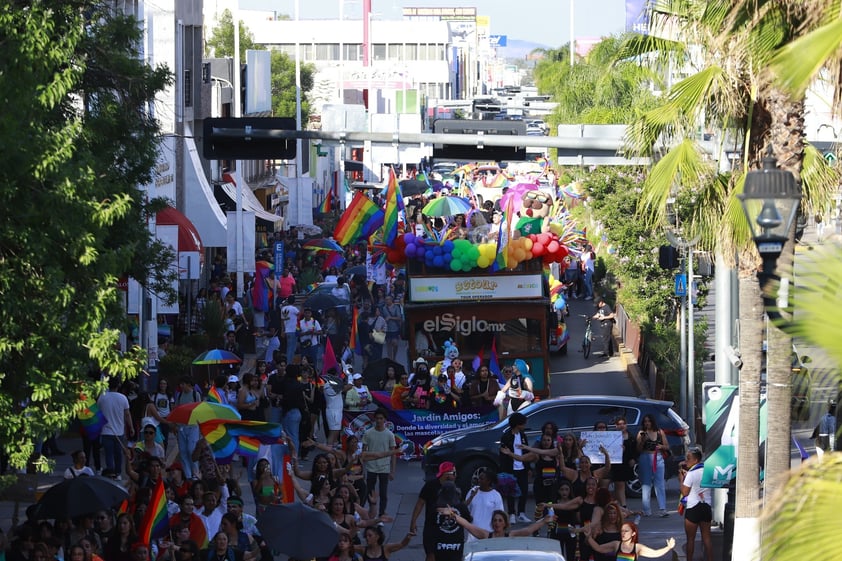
(527, 244)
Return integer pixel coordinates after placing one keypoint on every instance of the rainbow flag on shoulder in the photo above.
(91, 419)
(155, 522)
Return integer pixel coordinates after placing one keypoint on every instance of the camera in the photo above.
(734, 356)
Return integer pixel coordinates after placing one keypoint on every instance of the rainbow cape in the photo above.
(155, 522)
(224, 436)
(91, 419)
(360, 220)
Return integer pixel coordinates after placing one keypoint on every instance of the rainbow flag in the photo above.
(155, 522)
(354, 342)
(324, 208)
(91, 419)
(477, 362)
(361, 219)
(499, 181)
(333, 259)
(224, 436)
(494, 365)
(215, 397)
(248, 446)
(329, 361)
(394, 204)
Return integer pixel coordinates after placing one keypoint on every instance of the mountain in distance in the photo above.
(518, 48)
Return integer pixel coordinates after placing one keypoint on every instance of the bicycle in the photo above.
(586, 342)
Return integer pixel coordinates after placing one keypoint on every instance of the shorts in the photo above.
(393, 335)
(699, 513)
(334, 418)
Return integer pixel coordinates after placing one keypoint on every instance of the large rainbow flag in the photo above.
(394, 203)
(91, 419)
(155, 522)
(361, 219)
(354, 342)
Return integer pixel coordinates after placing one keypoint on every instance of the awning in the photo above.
(200, 205)
(188, 236)
(250, 202)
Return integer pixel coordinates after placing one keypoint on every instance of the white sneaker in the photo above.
(523, 518)
(512, 519)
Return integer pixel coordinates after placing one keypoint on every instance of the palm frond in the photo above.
(805, 516)
(798, 63)
(657, 49)
(688, 95)
(682, 167)
(819, 180)
(708, 211)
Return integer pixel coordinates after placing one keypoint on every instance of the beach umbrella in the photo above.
(202, 412)
(447, 206)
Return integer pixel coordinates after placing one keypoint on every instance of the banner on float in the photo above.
(413, 428)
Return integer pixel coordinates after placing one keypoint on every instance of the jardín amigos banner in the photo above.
(413, 428)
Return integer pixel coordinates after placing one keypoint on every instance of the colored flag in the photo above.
(354, 342)
(215, 397)
(333, 259)
(329, 360)
(361, 219)
(494, 365)
(155, 522)
(91, 419)
(502, 260)
(223, 435)
(324, 208)
(394, 203)
(248, 446)
(477, 362)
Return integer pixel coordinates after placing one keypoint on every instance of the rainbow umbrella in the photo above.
(217, 356)
(202, 412)
(335, 259)
(321, 244)
(447, 206)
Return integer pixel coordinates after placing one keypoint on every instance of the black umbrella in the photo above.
(356, 270)
(298, 531)
(79, 496)
(410, 187)
(375, 371)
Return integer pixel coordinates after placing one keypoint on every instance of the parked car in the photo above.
(506, 549)
(478, 447)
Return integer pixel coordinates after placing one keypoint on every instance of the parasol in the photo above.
(202, 412)
(217, 356)
(447, 206)
(321, 244)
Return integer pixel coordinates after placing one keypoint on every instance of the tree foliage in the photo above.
(221, 42)
(79, 142)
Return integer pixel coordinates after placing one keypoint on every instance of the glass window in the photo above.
(410, 52)
(305, 50)
(378, 52)
(559, 415)
(436, 52)
(395, 52)
(586, 416)
(288, 50)
(423, 52)
(329, 51)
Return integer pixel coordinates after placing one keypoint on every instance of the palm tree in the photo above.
(730, 89)
(803, 517)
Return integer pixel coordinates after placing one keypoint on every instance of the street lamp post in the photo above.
(770, 200)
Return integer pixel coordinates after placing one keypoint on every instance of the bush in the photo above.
(177, 362)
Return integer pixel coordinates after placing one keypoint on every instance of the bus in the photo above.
(507, 312)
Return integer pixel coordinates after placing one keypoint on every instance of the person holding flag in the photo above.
(483, 390)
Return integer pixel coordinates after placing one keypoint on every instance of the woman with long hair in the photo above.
(265, 486)
(345, 523)
(499, 525)
(608, 530)
(119, 545)
(653, 448)
(624, 471)
(237, 538)
(546, 470)
(90, 548)
(375, 548)
(344, 550)
(627, 545)
(248, 399)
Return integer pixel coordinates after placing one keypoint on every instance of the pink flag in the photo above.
(329, 360)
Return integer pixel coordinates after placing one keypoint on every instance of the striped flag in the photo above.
(494, 365)
(91, 419)
(215, 397)
(155, 522)
(324, 208)
(223, 436)
(361, 219)
(394, 204)
(248, 446)
(354, 343)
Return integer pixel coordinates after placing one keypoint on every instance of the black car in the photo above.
(476, 447)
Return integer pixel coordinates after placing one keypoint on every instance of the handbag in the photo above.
(378, 337)
(306, 343)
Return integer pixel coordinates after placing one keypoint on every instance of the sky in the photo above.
(546, 22)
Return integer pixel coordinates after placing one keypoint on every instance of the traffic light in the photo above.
(248, 138)
(668, 257)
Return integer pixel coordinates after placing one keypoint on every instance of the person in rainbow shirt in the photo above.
(627, 548)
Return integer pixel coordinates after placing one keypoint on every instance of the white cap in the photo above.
(420, 360)
(357, 376)
(232, 379)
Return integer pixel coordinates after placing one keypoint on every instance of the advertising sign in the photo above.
(611, 440)
(448, 289)
(413, 428)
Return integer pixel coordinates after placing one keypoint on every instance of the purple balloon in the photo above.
(410, 250)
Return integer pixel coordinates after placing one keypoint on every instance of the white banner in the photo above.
(447, 289)
(612, 440)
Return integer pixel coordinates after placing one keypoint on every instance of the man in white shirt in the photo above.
(289, 315)
(115, 409)
(483, 500)
(587, 264)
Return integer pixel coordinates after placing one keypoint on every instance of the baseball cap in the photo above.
(420, 360)
(445, 467)
(233, 379)
(357, 376)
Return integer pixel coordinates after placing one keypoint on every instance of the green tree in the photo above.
(283, 86)
(221, 42)
(79, 140)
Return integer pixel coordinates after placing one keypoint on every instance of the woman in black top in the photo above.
(292, 403)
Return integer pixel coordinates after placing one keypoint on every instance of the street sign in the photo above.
(248, 138)
(279, 259)
(680, 285)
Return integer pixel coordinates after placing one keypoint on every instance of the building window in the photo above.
(288, 50)
(352, 52)
(378, 52)
(395, 52)
(410, 52)
(188, 88)
(329, 51)
(437, 52)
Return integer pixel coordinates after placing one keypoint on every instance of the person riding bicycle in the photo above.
(606, 317)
